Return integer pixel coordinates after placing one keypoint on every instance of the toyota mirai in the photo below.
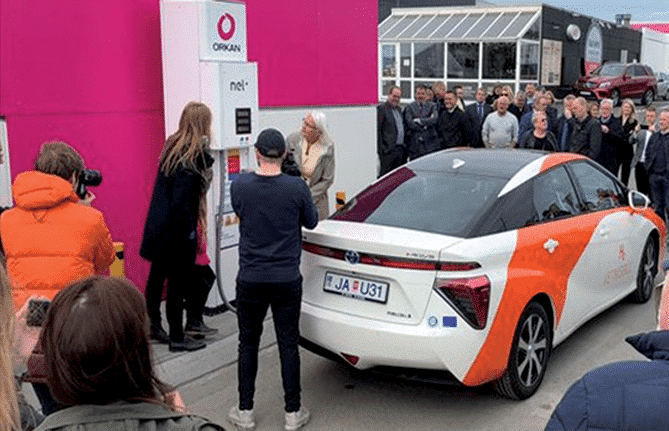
(477, 262)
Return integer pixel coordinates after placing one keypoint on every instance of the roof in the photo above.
(460, 23)
(500, 163)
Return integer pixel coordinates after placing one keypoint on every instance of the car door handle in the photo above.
(550, 245)
(604, 231)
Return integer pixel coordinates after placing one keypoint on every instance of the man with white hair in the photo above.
(500, 128)
(612, 134)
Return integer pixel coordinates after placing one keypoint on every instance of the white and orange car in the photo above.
(477, 262)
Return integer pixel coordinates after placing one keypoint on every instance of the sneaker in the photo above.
(188, 344)
(242, 419)
(298, 419)
(158, 334)
(198, 329)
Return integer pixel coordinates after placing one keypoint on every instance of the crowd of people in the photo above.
(82, 338)
(439, 119)
(89, 359)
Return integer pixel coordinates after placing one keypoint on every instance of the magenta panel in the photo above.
(89, 73)
(661, 27)
(314, 53)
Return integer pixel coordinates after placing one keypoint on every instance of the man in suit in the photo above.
(390, 145)
(476, 113)
(586, 133)
(657, 166)
(640, 139)
(459, 92)
(420, 119)
(564, 126)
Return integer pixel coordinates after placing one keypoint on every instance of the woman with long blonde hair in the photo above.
(9, 411)
(175, 226)
(625, 152)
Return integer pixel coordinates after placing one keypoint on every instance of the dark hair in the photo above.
(60, 159)
(96, 345)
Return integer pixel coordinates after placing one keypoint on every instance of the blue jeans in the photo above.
(253, 300)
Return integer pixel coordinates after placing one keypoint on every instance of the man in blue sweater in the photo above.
(272, 208)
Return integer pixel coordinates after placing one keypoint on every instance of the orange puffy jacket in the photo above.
(49, 239)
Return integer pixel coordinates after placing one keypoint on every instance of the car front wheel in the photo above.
(645, 279)
(648, 97)
(531, 348)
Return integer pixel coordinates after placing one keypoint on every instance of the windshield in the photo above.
(609, 70)
(437, 202)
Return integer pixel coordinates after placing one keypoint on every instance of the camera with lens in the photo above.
(87, 177)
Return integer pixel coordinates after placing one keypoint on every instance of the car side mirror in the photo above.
(638, 201)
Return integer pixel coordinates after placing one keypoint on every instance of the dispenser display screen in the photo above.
(243, 121)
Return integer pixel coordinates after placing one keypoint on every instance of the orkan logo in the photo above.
(226, 35)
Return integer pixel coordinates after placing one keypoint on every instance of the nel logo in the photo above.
(226, 35)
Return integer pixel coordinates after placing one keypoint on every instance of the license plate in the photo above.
(355, 287)
(585, 93)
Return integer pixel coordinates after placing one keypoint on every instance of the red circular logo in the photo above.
(226, 35)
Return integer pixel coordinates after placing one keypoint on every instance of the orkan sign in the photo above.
(223, 31)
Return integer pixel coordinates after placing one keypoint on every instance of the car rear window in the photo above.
(438, 202)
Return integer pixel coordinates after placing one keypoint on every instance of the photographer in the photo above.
(52, 237)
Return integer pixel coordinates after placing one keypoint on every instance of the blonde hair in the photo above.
(9, 411)
(185, 149)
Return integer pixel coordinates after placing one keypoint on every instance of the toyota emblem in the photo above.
(352, 257)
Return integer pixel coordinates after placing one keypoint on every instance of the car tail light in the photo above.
(470, 297)
(390, 261)
(351, 359)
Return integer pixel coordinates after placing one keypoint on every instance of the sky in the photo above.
(641, 10)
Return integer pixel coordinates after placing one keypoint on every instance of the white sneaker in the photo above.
(242, 419)
(298, 419)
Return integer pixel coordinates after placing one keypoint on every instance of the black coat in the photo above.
(610, 143)
(476, 123)
(622, 396)
(586, 137)
(170, 231)
(453, 128)
(386, 136)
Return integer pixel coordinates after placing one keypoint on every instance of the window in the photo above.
(554, 196)
(463, 60)
(597, 190)
(438, 202)
(388, 61)
(499, 60)
(529, 60)
(429, 60)
(512, 211)
(405, 60)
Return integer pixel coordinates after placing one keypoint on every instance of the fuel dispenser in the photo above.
(204, 59)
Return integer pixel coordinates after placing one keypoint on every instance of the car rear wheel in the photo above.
(645, 279)
(531, 348)
(615, 97)
(648, 97)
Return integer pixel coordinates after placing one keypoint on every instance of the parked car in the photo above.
(618, 81)
(477, 262)
(662, 85)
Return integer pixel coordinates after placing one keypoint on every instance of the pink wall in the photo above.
(89, 73)
(661, 27)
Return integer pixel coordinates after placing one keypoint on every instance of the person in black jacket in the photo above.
(622, 396)
(476, 113)
(586, 136)
(390, 145)
(657, 166)
(170, 238)
(452, 125)
(540, 138)
(612, 134)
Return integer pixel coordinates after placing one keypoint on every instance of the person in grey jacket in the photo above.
(98, 364)
(639, 140)
(313, 149)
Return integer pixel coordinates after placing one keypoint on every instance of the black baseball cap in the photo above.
(270, 143)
